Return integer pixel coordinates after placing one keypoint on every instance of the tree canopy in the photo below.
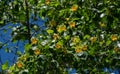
(80, 34)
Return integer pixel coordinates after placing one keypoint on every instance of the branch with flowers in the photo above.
(77, 35)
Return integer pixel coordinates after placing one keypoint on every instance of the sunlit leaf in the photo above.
(49, 31)
(5, 66)
(27, 47)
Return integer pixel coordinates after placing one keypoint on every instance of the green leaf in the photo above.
(19, 53)
(108, 42)
(67, 37)
(9, 27)
(6, 50)
(61, 12)
(5, 66)
(11, 68)
(22, 17)
(46, 47)
(0, 45)
(49, 31)
(75, 19)
(27, 47)
(60, 42)
(86, 36)
(5, 30)
(2, 22)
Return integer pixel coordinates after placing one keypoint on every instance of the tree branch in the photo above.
(35, 12)
(27, 20)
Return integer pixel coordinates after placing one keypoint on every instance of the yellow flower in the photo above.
(9, 72)
(102, 24)
(67, 19)
(114, 37)
(78, 49)
(34, 40)
(37, 52)
(72, 24)
(64, 50)
(19, 65)
(84, 47)
(93, 39)
(58, 46)
(74, 8)
(55, 36)
(61, 28)
(24, 58)
(116, 49)
(47, 2)
(76, 39)
(52, 23)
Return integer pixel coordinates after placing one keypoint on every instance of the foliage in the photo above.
(80, 34)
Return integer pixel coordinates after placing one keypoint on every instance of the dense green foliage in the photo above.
(80, 34)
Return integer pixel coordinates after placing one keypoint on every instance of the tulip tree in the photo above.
(80, 34)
